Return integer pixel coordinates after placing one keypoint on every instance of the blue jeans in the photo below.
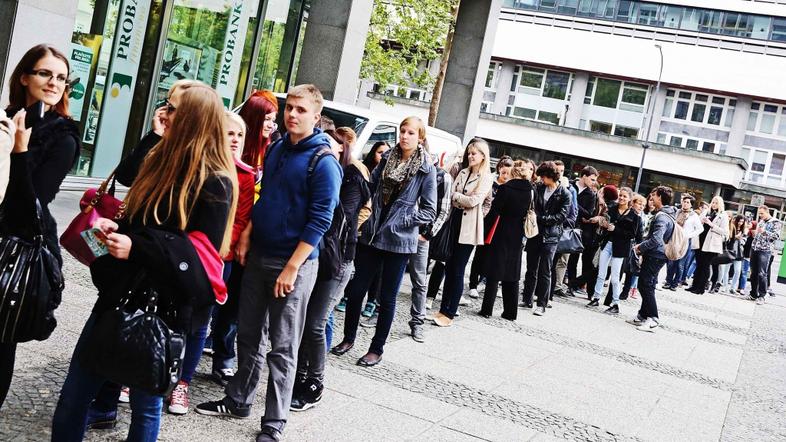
(676, 271)
(648, 278)
(746, 266)
(607, 259)
(81, 387)
(329, 332)
(224, 325)
(455, 267)
(685, 264)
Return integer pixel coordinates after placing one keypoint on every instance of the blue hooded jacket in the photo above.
(292, 206)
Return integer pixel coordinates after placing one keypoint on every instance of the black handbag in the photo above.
(440, 247)
(31, 286)
(570, 242)
(727, 257)
(133, 346)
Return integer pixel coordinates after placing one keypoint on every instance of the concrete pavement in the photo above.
(715, 370)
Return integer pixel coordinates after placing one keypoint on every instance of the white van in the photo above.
(372, 127)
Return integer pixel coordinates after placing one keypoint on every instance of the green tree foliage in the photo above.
(403, 36)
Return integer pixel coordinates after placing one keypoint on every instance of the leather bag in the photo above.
(133, 346)
(31, 286)
(570, 242)
(95, 203)
(531, 220)
(727, 257)
(441, 246)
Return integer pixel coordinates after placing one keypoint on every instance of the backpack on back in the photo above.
(677, 246)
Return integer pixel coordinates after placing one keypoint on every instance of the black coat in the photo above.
(626, 227)
(128, 169)
(551, 213)
(503, 259)
(587, 206)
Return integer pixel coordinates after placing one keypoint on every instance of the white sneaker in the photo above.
(473, 293)
(464, 301)
(429, 304)
(178, 404)
(648, 326)
(124, 396)
(760, 301)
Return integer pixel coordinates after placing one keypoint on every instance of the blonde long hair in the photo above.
(195, 147)
(481, 146)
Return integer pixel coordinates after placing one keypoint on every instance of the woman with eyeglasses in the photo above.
(40, 159)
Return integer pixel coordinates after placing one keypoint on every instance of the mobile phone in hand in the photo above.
(96, 244)
(35, 114)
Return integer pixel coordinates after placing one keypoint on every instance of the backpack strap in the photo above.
(318, 155)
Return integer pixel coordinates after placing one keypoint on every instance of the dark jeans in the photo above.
(478, 263)
(702, 274)
(435, 279)
(510, 290)
(224, 330)
(573, 262)
(540, 259)
(715, 273)
(759, 280)
(368, 261)
(79, 389)
(454, 279)
(676, 270)
(648, 278)
(7, 356)
(195, 342)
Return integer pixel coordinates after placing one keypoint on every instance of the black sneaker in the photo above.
(224, 407)
(310, 396)
(673, 288)
(594, 303)
(269, 434)
(222, 376)
(613, 310)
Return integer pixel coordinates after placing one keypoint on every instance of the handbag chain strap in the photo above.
(102, 190)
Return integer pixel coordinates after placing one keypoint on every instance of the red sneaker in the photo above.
(178, 403)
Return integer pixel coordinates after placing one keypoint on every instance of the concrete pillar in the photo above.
(657, 114)
(579, 89)
(333, 47)
(476, 26)
(739, 124)
(503, 87)
(28, 23)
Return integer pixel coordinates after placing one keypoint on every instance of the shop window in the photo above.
(600, 126)
(607, 93)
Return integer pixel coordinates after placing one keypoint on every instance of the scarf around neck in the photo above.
(397, 172)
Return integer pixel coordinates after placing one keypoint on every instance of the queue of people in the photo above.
(238, 234)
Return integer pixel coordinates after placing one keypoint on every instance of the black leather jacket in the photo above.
(552, 213)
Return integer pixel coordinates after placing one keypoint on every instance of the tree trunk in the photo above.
(443, 67)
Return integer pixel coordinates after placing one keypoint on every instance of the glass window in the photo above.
(782, 125)
(548, 117)
(692, 144)
(625, 12)
(686, 95)
(770, 108)
(491, 75)
(524, 112)
(607, 92)
(672, 15)
(634, 94)
(567, 6)
(715, 116)
(698, 112)
(586, 7)
(274, 68)
(760, 26)
(759, 161)
(628, 132)
(776, 165)
(755, 106)
(648, 15)
(600, 126)
(729, 117)
(752, 118)
(525, 4)
(718, 100)
(702, 98)
(675, 141)
(661, 139)
(548, 5)
(556, 85)
(590, 88)
(778, 29)
(709, 21)
(690, 19)
(708, 147)
(767, 125)
(667, 107)
(681, 112)
(532, 78)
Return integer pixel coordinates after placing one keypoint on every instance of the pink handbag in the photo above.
(95, 203)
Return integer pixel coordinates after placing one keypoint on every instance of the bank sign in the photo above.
(121, 81)
(232, 54)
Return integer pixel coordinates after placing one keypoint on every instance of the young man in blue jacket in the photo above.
(653, 249)
(300, 190)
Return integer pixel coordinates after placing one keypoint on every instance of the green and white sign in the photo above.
(81, 62)
(120, 82)
(232, 54)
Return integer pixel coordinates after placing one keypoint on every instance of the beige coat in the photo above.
(718, 234)
(6, 144)
(469, 192)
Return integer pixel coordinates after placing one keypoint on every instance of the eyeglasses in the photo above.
(169, 107)
(46, 74)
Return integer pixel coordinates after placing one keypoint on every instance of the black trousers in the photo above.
(478, 264)
(702, 273)
(759, 279)
(648, 278)
(510, 290)
(540, 259)
(435, 279)
(7, 357)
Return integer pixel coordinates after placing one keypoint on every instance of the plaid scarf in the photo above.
(397, 173)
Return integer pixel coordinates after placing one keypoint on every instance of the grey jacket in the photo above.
(414, 207)
(661, 229)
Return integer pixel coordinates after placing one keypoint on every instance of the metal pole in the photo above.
(646, 143)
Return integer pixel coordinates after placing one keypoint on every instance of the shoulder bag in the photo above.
(531, 221)
(570, 242)
(31, 285)
(95, 203)
(132, 345)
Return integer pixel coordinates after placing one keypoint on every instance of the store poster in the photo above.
(232, 55)
(181, 62)
(120, 84)
(81, 61)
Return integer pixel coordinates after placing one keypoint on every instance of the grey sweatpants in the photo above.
(418, 263)
(264, 319)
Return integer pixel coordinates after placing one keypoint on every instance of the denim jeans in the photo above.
(368, 261)
(759, 282)
(195, 342)
(329, 332)
(726, 282)
(648, 278)
(454, 279)
(746, 267)
(607, 259)
(224, 325)
(324, 297)
(685, 263)
(79, 389)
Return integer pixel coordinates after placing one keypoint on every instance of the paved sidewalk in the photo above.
(715, 370)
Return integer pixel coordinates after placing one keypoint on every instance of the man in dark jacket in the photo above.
(552, 204)
(587, 199)
(558, 286)
(653, 249)
(294, 211)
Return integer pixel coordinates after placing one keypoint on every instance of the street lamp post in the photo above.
(646, 144)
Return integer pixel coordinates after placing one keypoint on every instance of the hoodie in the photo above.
(292, 205)
(661, 229)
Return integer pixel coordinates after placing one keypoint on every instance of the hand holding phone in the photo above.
(34, 114)
(96, 244)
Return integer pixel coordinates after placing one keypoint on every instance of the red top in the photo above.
(245, 201)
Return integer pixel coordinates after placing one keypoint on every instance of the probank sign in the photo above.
(233, 51)
(123, 69)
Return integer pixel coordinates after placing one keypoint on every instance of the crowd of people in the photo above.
(251, 236)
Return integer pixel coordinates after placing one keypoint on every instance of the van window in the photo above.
(340, 119)
(383, 132)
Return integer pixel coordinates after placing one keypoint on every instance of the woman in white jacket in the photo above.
(711, 241)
